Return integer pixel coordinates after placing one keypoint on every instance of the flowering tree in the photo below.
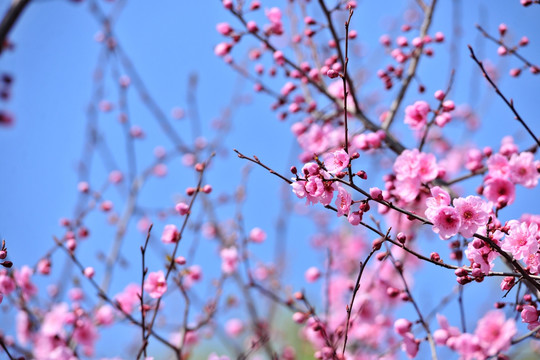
(412, 240)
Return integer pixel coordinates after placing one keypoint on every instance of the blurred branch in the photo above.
(13, 13)
(412, 69)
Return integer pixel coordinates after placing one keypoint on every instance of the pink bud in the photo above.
(448, 105)
(515, 72)
(224, 28)
(439, 95)
(401, 41)
(502, 29)
(44, 266)
(332, 74)
(375, 193)
(385, 40)
(312, 274)
(83, 187)
(182, 208)
(252, 26)
(402, 326)
(106, 205)
(89, 272)
(257, 235)
(299, 317)
(529, 314)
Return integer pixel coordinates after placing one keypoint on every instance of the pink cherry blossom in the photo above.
(155, 284)
(523, 169)
(439, 198)
(495, 332)
(229, 260)
(416, 115)
(482, 256)
(53, 323)
(498, 166)
(22, 278)
(7, 285)
(522, 239)
(472, 213)
(170, 234)
(446, 221)
(104, 315)
(499, 189)
(336, 161)
(129, 298)
(410, 345)
(257, 235)
(529, 314)
(343, 201)
(312, 274)
(85, 332)
(234, 327)
(402, 326)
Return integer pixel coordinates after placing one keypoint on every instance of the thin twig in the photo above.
(411, 71)
(13, 13)
(510, 102)
(355, 291)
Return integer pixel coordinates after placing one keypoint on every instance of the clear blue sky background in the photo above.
(53, 63)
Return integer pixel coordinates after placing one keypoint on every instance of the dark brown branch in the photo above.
(13, 13)
(510, 102)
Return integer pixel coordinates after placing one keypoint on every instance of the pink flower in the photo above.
(498, 166)
(523, 169)
(533, 263)
(312, 274)
(529, 314)
(128, 298)
(229, 260)
(155, 284)
(23, 327)
(336, 161)
(354, 218)
(22, 278)
(495, 332)
(343, 202)
(104, 315)
(170, 234)
(274, 15)
(472, 214)
(407, 189)
(446, 222)
(234, 327)
(416, 115)
(182, 208)
(314, 140)
(522, 239)
(53, 323)
(257, 235)
(85, 332)
(483, 256)
(402, 326)
(439, 199)
(499, 190)
(410, 345)
(413, 168)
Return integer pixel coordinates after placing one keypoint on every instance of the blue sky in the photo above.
(53, 65)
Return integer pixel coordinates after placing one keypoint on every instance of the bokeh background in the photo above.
(53, 64)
